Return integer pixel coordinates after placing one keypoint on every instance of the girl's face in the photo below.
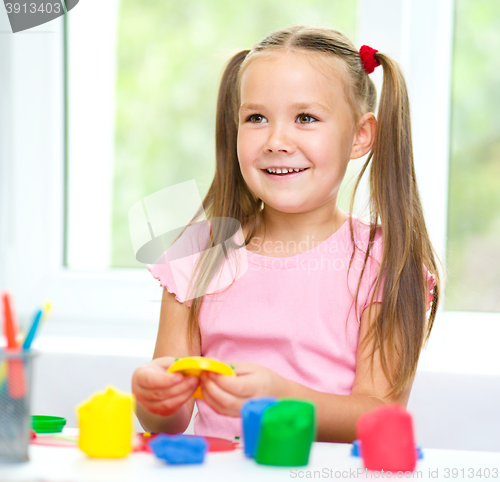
(294, 116)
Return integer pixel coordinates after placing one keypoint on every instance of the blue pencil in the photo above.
(31, 334)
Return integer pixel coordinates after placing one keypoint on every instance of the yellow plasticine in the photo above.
(106, 424)
(195, 365)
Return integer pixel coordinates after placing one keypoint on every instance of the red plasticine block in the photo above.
(387, 441)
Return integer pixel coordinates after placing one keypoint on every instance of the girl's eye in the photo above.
(306, 118)
(256, 118)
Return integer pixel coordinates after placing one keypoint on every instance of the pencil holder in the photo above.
(15, 394)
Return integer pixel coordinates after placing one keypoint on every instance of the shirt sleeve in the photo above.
(162, 271)
(431, 282)
(174, 268)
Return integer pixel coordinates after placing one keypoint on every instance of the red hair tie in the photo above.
(367, 55)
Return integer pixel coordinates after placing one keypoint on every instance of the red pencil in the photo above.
(10, 327)
(16, 376)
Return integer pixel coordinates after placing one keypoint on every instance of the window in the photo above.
(473, 261)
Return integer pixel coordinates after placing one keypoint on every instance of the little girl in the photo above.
(327, 308)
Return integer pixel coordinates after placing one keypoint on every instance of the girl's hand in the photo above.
(227, 394)
(160, 392)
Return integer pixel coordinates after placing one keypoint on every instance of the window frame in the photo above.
(32, 204)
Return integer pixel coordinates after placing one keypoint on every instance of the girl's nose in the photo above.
(279, 141)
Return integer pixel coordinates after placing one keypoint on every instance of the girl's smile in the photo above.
(281, 174)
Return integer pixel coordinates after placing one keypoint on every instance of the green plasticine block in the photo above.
(288, 429)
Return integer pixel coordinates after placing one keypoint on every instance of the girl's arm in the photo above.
(164, 402)
(336, 414)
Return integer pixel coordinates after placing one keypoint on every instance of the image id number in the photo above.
(471, 473)
(33, 7)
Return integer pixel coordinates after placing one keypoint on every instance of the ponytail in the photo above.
(395, 206)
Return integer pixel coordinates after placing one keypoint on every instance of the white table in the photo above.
(330, 461)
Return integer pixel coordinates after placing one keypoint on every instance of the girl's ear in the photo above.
(365, 136)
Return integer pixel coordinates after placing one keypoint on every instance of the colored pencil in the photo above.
(32, 331)
(16, 374)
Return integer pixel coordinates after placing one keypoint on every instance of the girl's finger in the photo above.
(163, 362)
(220, 400)
(242, 368)
(187, 388)
(162, 393)
(234, 385)
(239, 367)
(169, 406)
(156, 380)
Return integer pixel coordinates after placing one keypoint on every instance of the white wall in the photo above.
(456, 410)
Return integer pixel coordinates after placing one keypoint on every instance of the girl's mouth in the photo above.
(284, 172)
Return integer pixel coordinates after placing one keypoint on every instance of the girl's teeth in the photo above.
(284, 170)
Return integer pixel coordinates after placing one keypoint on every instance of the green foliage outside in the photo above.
(473, 255)
(170, 59)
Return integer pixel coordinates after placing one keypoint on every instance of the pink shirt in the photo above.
(293, 315)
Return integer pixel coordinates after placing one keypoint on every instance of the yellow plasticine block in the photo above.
(106, 424)
(195, 365)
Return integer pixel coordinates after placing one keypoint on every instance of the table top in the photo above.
(327, 461)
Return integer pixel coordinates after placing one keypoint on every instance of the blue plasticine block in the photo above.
(179, 449)
(356, 450)
(420, 453)
(251, 415)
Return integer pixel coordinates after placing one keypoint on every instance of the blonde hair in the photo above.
(395, 205)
